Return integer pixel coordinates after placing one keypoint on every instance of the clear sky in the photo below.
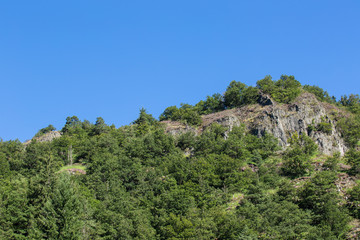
(110, 58)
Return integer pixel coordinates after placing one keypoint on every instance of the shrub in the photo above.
(324, 127)
(285, 90)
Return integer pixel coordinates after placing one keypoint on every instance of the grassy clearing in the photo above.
(76, 166)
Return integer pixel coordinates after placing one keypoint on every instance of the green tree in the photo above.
(352, 102)
(353, 158)
(303, 141)
(186, 114)
(288, 88)
(14, 214)
(350, 130)
(297, 157)
(296, 163)
(186, 140)
(100, 126)
(251, 95)
(64, 210)
(4, 166)
(320, 196)
(267, 85)
(285, 90)
(71, 123)
(45, 130)
(170, 113)
(40, 157)
(13, 153)
(319, 93)
(234, 95)
(144, 122)
(354, 201)
(144, 117)
(332, 162)
(214, 103)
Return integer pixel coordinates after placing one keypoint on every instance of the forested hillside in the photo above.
(215, 170)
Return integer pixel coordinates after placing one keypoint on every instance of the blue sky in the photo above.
(110, 58)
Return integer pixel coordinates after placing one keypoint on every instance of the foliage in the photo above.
(250, 95)
(352, 102)
(353, 158)
(100, 126)
(144, 118)
(234, 95)
(45, 130)
(296, 163)
(332, 162)
(320, 196)
(4, 166)
(170, 113)
(238, 94)
(71, 123)
(284, 90)
(324, 126)
(80, 167)
(144, 122)
(142, 183)
(350, 129)
(144, 186)
(319, 93)
(304, 142)
(186, 114)
(64, 210)
(297, 157)
(354, 200)
(186, 141)
(214, 103)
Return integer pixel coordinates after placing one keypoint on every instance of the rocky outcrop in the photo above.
(47, 137)
(177, 128)
(281, 120)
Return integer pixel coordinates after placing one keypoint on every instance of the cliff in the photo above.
(47, 137)
(303, 116)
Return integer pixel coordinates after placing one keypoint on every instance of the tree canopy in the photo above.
(138, 182)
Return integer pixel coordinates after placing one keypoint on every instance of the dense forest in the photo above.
(96, 181)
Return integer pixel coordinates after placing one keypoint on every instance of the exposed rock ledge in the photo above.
(281, 120)
(47, 137)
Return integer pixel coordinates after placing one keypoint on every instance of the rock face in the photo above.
(177, 128)
(281, 120)
(47, 137)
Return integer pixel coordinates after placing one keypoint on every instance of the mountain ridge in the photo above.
(280, 119)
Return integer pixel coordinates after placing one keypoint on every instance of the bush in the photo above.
(45, 130)
(296, 163)
(319, 93)
(285, 90)
(324, 127)
(350, 130)
(186, 114)
(353, 158)
(297, 157)
(234, 95)
(214, 103)
(352, 102)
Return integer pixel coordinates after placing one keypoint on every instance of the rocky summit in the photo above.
(281, 120)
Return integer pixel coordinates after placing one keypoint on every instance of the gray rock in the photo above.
(47, 137)
(281, 120)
